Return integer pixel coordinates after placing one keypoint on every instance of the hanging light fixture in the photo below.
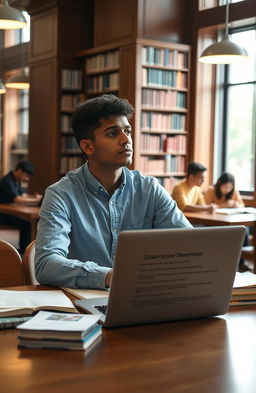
(10, 17)
(18, 81)
(2, 87)
(225, 51)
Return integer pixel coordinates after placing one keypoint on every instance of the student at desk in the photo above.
(223, 193)
(188, 193)
(82, 214)
(11, 191)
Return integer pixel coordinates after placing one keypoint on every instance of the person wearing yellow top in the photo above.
(223, 193)
(188, 193)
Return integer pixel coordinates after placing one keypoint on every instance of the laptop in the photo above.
(170, 274)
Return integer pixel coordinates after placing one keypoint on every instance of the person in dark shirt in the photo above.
(11, 191)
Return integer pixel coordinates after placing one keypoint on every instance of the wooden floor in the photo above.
(10, 236)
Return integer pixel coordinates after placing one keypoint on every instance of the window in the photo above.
(238, 125)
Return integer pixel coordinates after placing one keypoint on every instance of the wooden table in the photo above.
(215, 355)
(27, 213)
(208, 219)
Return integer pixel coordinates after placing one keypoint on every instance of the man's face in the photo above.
(112, 144)
(198, 179)
(23, 176)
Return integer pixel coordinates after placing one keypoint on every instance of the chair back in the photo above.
(11, 269)
(29, 264)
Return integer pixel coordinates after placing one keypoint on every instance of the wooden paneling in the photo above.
(44, 125)
(114, 20)
(166, 19)
(205, 109)
(44, 33)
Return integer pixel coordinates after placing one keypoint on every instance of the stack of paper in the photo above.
(59, 331)
(244, 289)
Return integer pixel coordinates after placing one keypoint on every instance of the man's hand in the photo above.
(108, 279)
(211, 208)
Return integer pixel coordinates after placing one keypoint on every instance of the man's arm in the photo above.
(52, 264)
(25, 198)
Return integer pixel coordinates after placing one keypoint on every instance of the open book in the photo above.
(235, 210)
(27, 302)
(87, 293)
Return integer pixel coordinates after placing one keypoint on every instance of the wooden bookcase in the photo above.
(154, 77)
(71, 94)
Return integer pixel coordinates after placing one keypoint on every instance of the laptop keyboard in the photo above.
(102, 309)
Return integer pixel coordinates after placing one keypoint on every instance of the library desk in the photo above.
(214, 355)
(214, 219)
(27, 213)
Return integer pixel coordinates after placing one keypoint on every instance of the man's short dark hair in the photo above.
(87, 115)
(194, 168)
(26, 166)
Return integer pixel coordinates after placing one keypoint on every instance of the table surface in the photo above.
(22, 211)
(221, 219)
(214, 355)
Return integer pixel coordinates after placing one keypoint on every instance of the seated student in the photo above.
(82, 214)
(223, 193)
(11, 191)
(188, 193)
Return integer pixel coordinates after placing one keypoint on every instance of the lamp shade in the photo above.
(10, 17)
(223, 52)
(18, 81)
(2, 87)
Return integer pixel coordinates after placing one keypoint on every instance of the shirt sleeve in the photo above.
(200, 198)
(180, 197)
(208, 195)
(237, 197)
(166, 212)
(10, 191)
(52, 265)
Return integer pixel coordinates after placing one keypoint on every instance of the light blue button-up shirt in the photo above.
(80, 222)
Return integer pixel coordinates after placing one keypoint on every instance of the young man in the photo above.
(11, 191)
(83, 213)
(188, 193)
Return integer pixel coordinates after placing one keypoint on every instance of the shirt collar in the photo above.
(95, 185)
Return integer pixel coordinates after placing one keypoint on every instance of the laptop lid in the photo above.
(171, 274)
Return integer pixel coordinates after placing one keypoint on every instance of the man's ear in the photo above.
(87, 146)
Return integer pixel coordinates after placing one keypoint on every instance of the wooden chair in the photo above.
(29, 264)
(11, 268)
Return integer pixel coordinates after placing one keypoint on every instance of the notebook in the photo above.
(170, 274)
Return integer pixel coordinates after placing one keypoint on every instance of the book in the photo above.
(87, 293)
(236, 210)
(82, 344)
(12, 322)
(20, 303)
(244, 289)
(59, 331)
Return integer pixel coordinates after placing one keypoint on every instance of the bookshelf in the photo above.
(154, 77)
(71, 94)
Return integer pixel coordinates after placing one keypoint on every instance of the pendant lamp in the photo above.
(10, 17)
(18, 81)
(225, 51)
(2, 87)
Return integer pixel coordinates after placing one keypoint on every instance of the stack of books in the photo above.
(54, 330)
(244, 289)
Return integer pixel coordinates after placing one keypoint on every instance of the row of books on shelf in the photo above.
(68, 163)
(68, 142)
(163, 78)
(72, 79)
(168, 163)
(21, 141)
(103, 82)
(164, 57)
(102, 62)
(162, 121)
(69, 101)
(168, 182)
(65, 123)
(163, 99)
(175, 144)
